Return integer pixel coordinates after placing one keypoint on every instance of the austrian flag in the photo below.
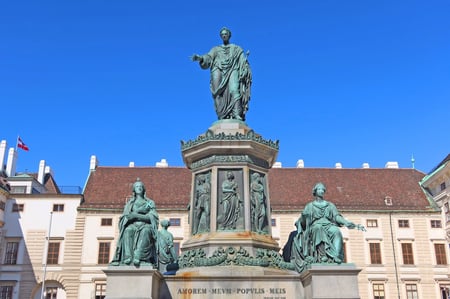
(22, 145)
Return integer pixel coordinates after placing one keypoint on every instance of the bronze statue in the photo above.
(231, 77)
(138, 230)
(230, 202)
(258, 203)
(201, 221)
(319, 239)
(166, 250)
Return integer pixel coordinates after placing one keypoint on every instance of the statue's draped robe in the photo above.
(166, 251)
(137, 239)
(202, 208)
(320, 239)
(230, 79)
(231, 204)
(258, 205)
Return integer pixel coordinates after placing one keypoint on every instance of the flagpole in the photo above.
(17, 142)
(46, 255)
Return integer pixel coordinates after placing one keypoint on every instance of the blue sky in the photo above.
(333, 81)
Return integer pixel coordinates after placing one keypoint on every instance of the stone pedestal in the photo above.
(233, 282)
(230, 155)
(129, 282)
(331, 282)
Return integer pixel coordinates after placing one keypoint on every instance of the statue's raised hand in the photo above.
(196, 57)
(361, 227)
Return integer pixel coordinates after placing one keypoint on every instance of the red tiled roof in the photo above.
(109, 187)
(352, 189)
(290, 188)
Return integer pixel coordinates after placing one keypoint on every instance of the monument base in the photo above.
(239, 282)
(129, 282)
(331, 282)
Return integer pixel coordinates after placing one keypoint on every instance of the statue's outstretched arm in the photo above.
(196, 57)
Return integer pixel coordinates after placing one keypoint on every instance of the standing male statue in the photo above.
(231, 77)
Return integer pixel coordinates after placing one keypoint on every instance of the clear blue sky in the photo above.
(333, 81)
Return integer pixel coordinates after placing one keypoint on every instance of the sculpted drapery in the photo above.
(231, 78)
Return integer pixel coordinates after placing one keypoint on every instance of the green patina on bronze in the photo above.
(258, 201)
(202, 204)
(231, 202)
(210, 136)
(233, 257)
(227, 159)
(166, 250)
(318, 238)
(231, 77)
(138, 231)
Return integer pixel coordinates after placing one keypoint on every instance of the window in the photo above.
(403, 223)
(58, 208)
(53, 253)
(175, 221)
(100, 290)
(106, 222)
(443, 186)
(441, 257)
(6, 292)
(18, 189)
(436, 224)
(50, 292)
(17, 208)
(445, 291)
(2, 205)
(103, 252)
(372, 223)
(408, 258)
(274, 222)
(378, 291)
(447, 212)
(11, 253)
(176, 246)
(375, 253)
(411, 291)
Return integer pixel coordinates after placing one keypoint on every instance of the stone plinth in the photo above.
(129, 282)
(229, 138)
(230, 204)
(232, 282)
(331, 282)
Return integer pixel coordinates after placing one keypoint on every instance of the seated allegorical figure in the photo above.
(166, 250)
(319, 239)
(138, 230)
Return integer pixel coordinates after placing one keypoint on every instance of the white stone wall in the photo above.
(31, 227)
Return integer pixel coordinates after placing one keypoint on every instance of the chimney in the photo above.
(11, 164)
(2, 154)
(49, 170)
(131, 164)
(41, 172)
(162, 164)
(338, 165)
(391, 165)
(300, 164)
(365, 165)
(94, 163)
(277, 165)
